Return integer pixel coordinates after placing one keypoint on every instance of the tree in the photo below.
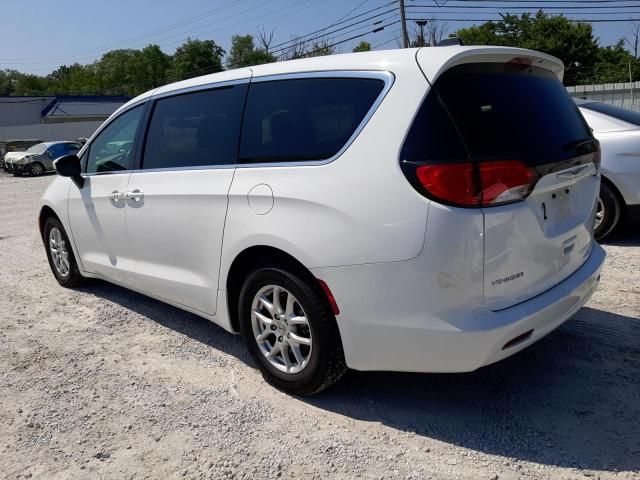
(194, 58)
(573, 43)
(633, 40)
(244, 53)
(301, 48)
(362, 47)
(265, 38)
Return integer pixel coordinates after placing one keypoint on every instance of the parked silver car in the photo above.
(39, 158)
(618, 131)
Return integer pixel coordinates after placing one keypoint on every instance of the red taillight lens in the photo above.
(485, 183)
(453, 182)
(505, 181)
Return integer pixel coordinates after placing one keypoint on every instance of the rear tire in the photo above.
(60, 255)
(608, 212)
(293, 337)
(36, 169)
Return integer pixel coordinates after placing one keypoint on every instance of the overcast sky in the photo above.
(39, 35)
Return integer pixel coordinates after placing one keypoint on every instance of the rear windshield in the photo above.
(492, 111)
(623, 114)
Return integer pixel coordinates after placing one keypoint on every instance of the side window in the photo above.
(112, 149)
(304, 119)
(69, 148)
(195, 129)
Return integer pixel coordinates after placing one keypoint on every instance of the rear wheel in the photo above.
(608, 212)
(290, 331)
(36, 169)
(61, 260)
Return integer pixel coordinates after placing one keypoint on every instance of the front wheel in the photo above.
(61, 260)
(607, 212)
(36, 169)
(290, 331)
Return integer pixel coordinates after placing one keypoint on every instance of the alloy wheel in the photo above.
(281, 329)
(59, 252)
(599, 213)
(36, 169)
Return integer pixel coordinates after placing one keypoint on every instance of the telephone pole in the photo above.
(403, 21)
(421, 25)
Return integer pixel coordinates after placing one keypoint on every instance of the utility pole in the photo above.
(631, 83)
(403, 21)
(421, 25)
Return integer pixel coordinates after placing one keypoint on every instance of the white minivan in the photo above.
(423, 210)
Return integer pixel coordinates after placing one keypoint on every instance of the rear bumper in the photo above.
(436, 339)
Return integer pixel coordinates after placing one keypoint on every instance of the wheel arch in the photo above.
(45, 212)
(616, 192)
(253, 257)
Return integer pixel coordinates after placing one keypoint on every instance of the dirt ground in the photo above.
(105, 383)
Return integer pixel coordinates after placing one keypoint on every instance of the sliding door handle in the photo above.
(135, 195)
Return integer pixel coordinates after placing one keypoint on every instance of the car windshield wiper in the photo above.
(581, 142)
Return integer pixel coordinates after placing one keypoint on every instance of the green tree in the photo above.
(573, 43)
(613, 64)
(362, 47)
(244, 53)
(194, 58)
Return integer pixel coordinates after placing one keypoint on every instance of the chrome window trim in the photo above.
(387, 77)
(197, 88)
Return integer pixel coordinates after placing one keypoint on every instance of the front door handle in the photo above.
(116, 195)
(135, 195)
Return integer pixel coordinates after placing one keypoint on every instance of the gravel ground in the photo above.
(105, 383)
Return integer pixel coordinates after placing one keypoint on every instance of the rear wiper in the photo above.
(574, 145)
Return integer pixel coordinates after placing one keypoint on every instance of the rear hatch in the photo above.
(533, 163)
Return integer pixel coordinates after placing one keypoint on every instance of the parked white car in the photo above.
(618, 131)
(339, 213)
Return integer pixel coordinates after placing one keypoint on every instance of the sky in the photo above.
(40, 35)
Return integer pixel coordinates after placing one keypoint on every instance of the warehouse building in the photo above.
(54, 117)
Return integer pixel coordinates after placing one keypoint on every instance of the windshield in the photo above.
(623, 114)
(38, 149)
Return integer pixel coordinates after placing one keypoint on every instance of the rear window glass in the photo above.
(623, 114)
(496, 111)
(304, 119)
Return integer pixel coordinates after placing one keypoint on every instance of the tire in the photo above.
(36, 169)
(608, 212)
(67, 273)
(322, 361)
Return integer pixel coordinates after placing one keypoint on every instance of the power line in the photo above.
(545, 1)
(341, 22)
(132, 39)
(541, 7)
(573, 20)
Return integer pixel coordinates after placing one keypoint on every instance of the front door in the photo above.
(177, 201)
(97, 212)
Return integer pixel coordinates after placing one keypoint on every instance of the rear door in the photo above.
(515, 111)
(177, 200)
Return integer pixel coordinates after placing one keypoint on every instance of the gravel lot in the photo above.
(105, 383)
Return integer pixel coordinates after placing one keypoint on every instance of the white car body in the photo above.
(420, 286)
(620, 146)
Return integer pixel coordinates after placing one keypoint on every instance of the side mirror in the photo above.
(69, 166)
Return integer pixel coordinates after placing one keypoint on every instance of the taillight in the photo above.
(478, 184)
